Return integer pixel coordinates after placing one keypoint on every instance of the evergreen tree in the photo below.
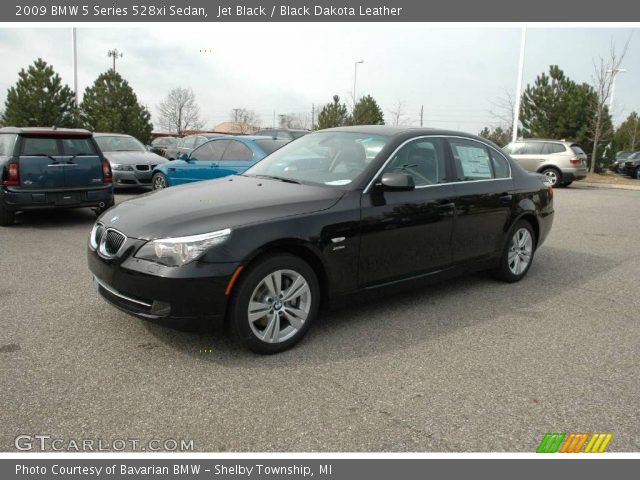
(367, 112)
(498, 135)
(333, 114)
(110, 105)
(557, 107)
(627, 136)
(39, 99)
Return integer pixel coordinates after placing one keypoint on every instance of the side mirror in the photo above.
(183, 156)
(399, 182)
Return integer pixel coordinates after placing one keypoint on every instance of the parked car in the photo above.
(216, 158)
(289, 133)
(632, 165)
(618, 164)
(131, 163)
(317, 221)
(160, 145)
(186, 145)
(43, 168)
(560, 161)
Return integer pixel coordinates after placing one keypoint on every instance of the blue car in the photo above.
(214, 159)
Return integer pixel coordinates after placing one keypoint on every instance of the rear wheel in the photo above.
(159, 181)
(554, 177)
(517, 256)
(7, 216)
(274, 304)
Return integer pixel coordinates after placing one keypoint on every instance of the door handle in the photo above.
(505, 199)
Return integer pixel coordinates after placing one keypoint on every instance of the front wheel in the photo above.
(518, 254)
(159, 181)
(274, 304)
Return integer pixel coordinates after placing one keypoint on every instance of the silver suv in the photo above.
(562, 162)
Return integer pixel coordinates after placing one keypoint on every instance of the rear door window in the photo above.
(501, 167)
(472, 160)
(39, 146)
(533, 148)
(78, 146)
(237, 151)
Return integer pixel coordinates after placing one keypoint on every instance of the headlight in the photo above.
(94, 236)
(175, 252)
(121, 168)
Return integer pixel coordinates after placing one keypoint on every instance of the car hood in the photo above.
(212, 205)
(134, 158)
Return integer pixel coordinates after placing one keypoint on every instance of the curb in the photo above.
(606, 185)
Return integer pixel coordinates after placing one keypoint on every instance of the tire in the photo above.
(100, 210)
(159, 181)
(7, 216)
(566, 184)
(520, 245)
(274, 328)
(554, 176)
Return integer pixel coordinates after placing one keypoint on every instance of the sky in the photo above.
(458, 74)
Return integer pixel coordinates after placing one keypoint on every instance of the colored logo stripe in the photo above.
(573, 442)
(550, 443)
(598, 443)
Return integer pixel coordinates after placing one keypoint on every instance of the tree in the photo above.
(110, 105)
(367, 112)
(497, 135)
(246, 119)
(627, 136)
(40, 99)
(557, 107)
(295, 120)
(179, 111)
(605, 71)
(333, 114)
(397, 114)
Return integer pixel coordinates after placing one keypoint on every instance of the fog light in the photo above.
(161, 309)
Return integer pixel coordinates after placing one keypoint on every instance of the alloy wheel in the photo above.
(520, 251)
(552, 177)
(279, 306)
(159, 182)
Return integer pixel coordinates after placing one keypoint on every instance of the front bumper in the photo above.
(132, 178)
(195, 291)
(25, 199)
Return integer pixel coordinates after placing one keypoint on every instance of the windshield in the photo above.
(323, 158)
(119, 144)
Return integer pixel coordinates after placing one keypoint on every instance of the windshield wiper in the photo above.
(282, 179)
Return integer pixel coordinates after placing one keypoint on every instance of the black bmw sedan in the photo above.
(334, 213)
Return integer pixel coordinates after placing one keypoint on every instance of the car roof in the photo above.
(105, 134)
(544, 140)
(45, 130)
(390, 131)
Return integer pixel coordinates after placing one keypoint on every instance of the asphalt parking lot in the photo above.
(468, 365)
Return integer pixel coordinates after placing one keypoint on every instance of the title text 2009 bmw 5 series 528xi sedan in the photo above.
(331, 214)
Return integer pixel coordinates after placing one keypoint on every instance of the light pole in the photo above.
(114, 54)
(355, 77)
(613, 73)
(516, 113)
(74, 60)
